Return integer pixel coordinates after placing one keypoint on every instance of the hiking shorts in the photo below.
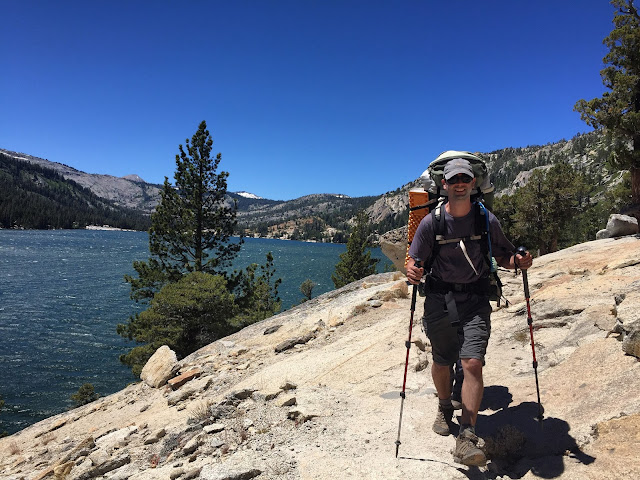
(468, 339)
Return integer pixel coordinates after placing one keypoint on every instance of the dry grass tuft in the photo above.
(522, 336)
(359, 309)
(47, 438)
(201, 412)
(14, 449)
(278, 469)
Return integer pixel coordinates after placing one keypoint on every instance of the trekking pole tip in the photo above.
(397, 447)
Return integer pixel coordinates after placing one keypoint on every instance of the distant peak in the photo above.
(249, 195)
(134, 178)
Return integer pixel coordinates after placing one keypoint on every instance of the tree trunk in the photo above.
(635, 185)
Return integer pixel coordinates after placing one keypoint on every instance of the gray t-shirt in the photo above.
(451, 265)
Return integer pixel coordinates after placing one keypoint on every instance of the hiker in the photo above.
(457, 300)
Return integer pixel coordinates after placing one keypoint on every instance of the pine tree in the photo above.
(256, 295)
(192, 226)
(184, 315)
(356, 262)
(192, 299)
(545, 207)
(618, 110)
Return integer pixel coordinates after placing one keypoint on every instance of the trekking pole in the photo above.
(406, 362)
(522, 251)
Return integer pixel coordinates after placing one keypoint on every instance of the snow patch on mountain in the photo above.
(249, 195)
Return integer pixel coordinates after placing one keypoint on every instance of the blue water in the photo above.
(62, 293)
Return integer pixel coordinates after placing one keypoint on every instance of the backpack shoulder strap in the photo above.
(482, 229)
(439, 226)
(439, 229)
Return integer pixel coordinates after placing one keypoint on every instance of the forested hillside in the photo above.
(587, 153)
(562, 193)
(32, 196)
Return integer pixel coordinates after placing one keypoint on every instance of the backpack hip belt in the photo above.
(480, 287)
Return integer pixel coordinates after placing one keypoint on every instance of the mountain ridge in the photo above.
(328, 216)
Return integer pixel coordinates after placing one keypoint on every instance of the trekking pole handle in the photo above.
(522, 251)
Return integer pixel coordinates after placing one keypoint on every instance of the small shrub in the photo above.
(85, 394)
(506, 443)
(171, 443)
(154, 460)
(306, 288)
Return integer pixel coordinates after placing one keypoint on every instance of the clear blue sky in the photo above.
(300, 96)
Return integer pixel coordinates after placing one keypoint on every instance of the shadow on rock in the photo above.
(496, 397)
(517, 443)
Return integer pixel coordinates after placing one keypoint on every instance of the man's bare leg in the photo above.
(472, 390)
(442, 380)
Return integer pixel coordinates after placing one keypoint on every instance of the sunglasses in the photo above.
(460, 178)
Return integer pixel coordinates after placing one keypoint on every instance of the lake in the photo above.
(62, 293)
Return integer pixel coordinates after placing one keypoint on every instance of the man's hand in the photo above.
(414, 273)
(523, 262)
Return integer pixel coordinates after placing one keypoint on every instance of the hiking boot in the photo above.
(443, 420)
(456, 403)
(468, 450)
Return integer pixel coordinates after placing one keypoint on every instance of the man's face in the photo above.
(460, 186)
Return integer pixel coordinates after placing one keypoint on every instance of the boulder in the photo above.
(224, 472)
(183, 378)
(619, 226)
(292, 342)
(631, 344)
(394, 245)
(628, 316)
(162, 365)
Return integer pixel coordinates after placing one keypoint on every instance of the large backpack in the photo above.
(432, 176)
